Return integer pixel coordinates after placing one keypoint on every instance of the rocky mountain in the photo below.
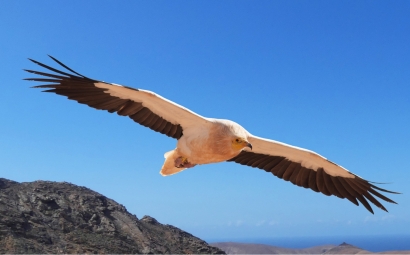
(59, 217)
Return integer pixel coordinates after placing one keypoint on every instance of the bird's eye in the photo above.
(237, 140)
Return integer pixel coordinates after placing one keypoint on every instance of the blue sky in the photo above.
(329, 76)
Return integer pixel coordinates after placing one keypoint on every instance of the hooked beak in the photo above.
(248, 144)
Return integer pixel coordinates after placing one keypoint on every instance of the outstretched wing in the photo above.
(144, 107)
(310, 170)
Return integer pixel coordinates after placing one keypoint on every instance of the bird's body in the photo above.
(205, 140)
(209, 142)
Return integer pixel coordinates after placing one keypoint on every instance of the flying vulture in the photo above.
(203, 140)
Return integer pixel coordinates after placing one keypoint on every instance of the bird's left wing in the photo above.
(310, 170)
(144, 107)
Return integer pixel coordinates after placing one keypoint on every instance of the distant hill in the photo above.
(345, 248)
(248, 248)
(59, 217)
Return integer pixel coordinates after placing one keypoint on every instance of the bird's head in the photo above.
(229, 131)
(238, 143)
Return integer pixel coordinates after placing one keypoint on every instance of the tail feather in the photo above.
(168, 168)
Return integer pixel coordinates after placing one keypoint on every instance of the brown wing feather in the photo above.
(82, 89)
(351, 188)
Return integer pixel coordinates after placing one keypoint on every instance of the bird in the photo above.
(202, 140)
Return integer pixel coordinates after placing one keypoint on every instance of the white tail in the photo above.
(168, 168)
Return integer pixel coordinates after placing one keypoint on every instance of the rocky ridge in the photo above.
(60, 217)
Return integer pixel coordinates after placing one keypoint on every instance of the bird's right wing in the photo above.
(310, 170)
(144, 107)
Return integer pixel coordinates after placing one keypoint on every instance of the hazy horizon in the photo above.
(374, 243)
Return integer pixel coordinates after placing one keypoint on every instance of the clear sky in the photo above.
(329, 76)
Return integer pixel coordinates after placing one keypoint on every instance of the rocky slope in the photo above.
(59, 217)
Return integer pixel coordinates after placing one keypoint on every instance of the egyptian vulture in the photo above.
(205, 140)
